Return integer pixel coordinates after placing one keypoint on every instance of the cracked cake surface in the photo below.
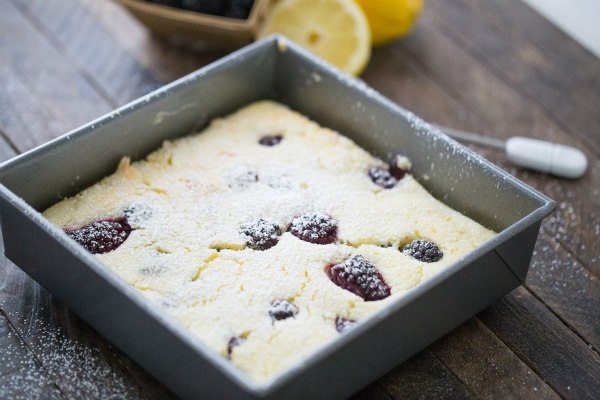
(266, 235)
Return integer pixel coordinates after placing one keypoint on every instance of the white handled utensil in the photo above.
(538, 155)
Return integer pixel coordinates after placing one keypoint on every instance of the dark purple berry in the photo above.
(386, 178)
(282, 309)
(101, 236)
(359, 276)
(233, 342)
(270, 140)
(224, 8)
(343, 324)
(261, 235)
(170, 3)
(397, 173)
(423, 250)
(214, 7)
(382, 177)
(239, 9)
(318, 228)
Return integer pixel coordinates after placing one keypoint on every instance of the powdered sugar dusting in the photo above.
(219, 196)
(261, 234)
(241, 177)
(360, 277)
(63, 366)
(282, 309)
(423, 250)
(402, 163)
(382, 177)
(316, 227)
(101, 236)
(137, 214)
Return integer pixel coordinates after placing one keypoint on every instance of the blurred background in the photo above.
(578, 18)
(340, 31)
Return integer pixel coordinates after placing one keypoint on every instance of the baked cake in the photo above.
(266, 235)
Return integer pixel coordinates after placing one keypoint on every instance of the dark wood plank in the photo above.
(76, 34)
(19, 120)
(118, 55)
(424, 377)
(525, 67)
(567, 288)
(372, 392)
(551, 349)
(43, 95)
(568, 59)
(74, 357)
(409, 85)
(576, 221)
(21, 375)
(432, 97)
(419, 86)
(492, 107)
(167, 60)
(7, 148)
(487, 367)
(15, 355)
(28, 384)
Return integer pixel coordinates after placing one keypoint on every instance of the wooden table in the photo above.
(494, 67)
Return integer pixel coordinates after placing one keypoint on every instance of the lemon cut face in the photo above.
(335, 30)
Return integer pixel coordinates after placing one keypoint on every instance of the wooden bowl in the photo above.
(212, 30)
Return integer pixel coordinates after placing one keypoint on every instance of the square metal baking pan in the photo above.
(270, 69)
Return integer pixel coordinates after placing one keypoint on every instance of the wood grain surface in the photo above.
(494, 67)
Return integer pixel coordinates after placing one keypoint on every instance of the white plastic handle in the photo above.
(552, 158)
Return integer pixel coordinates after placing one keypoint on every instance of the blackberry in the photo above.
(270, 140)
(261, 235)
(359, 276)
(282, 309)
(101, 236)
(423, 250)
(318, 228)
(382, 177)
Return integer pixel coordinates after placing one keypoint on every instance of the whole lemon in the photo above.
(390, 19)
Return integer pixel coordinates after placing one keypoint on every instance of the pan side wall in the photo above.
(65, 167)
(112, 313)
(411, 328)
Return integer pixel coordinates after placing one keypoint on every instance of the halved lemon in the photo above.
(336, 30)
(390, 19)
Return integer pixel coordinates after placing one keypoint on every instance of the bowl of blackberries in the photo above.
(215, 23)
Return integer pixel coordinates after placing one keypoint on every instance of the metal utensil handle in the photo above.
(539, 155)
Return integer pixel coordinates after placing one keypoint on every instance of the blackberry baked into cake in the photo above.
(266, 235)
